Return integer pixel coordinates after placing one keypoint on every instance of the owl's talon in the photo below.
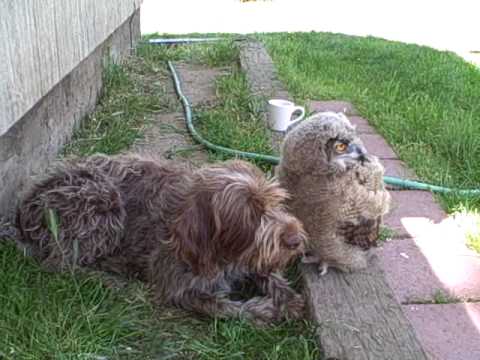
(323, 268)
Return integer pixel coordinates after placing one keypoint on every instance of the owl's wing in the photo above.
(363, 233)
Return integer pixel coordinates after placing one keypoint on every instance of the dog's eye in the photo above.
(340, 147)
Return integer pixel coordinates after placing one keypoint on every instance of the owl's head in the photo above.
(324, 144)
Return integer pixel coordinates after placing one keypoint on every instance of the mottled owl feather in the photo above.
(336, 189)
(364, 234)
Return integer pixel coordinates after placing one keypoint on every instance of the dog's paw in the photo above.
(295, 308)
(261, 311)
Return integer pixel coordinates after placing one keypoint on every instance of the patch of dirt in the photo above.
(168, 136)
(198, 83)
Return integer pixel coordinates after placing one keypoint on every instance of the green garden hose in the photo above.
(197, 137)
(416, 185)
(389, 180)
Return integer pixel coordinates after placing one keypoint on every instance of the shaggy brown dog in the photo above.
(197, 236)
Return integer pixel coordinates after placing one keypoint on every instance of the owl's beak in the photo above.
(357, 152)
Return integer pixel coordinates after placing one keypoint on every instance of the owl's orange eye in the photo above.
(340, 147)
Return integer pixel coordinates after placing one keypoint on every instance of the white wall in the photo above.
(41, 41)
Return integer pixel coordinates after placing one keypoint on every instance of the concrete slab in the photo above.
(332, 105)
(199, 83)
(377, 146)
(431, 268)
(448, 331)
(166, 135)
(412, 212)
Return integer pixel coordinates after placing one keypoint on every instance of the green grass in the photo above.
(473, 241)
(127, 104)
(386, 234)
(236, 122)
(426, 103)
(442, 297)
(236, 340)
(217, 54)
(52, 316)
(473, 236)
(439, 297)
(469, 220)
(65, 316)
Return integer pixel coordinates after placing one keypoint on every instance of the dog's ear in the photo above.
(265, 193)
(218, 222)
(192, 234)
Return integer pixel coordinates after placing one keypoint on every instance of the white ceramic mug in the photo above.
(280, 114)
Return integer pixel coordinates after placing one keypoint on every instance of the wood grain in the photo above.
(358, 317)
(43, 40)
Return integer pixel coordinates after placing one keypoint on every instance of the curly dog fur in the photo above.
(195, 235)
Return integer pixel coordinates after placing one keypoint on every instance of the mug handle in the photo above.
(298, 118)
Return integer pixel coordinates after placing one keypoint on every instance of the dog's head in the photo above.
(234, 215)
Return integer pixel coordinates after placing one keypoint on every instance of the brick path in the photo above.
(427, 261)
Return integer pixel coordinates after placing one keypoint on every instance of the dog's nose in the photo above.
(292, 242)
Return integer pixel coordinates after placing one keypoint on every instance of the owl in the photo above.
(337, 191)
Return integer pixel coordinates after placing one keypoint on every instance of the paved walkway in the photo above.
(433, 274)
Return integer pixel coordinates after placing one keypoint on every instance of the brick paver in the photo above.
(427, 260)
(397, 168)
(377, 146)
(362, 125)
(411, 213)
(430, 268)
(448, 331)
(332, 105)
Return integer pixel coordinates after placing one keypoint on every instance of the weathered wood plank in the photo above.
(358, 317)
